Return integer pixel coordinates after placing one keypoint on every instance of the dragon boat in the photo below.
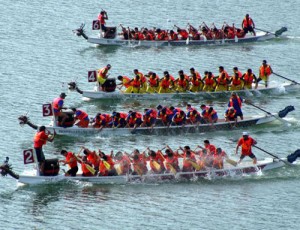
(159, 128)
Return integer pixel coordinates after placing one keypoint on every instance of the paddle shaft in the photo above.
(271, 155)
(265, 31)
(278, 75)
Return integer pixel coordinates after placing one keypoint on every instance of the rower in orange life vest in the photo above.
(71, 161)
(102, 75)
(101, 121)
(236, 70)
(142, 79)
(236, 102)
(194, 32)
(149, 118)
(134, 120)
(81, 118)
(126, 82)
(209, 82)
(188, 159)
(236, 83)
(156, 162)
(102, 17)
(248, 25)
(58, 105)
(139, 163)
(182, 83)
(136, 84)
(230, 114)
(84, 162)
(173, 36)
(122, 164)
(118, 120)
(165, 114)
(248, 79)
(209, 115)
(153, 81)
(218, 158)
(182, 32)
(265, 71)
(166, 83)
(171, 161)
(195, 80)
(40, 139)
(246, 142)
(210, 151)
(222, 83)
(106, 165)
(92, 158)
(179, 118)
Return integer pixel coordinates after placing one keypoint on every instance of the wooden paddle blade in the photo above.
(90, 168)
(118, 169)
(106, 164)
(156, 165)
(195, 165)
(232, 162)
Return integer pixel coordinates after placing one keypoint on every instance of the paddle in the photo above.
(90, 168)
(172, 169)
(278, 75)
(230, 161)
(281, 114)
(277, 33)
(286, 162)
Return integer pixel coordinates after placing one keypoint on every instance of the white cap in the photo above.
(245, 134)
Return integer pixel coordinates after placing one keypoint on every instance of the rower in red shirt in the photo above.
(71, 161)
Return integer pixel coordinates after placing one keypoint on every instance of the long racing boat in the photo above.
(119, 95)
(115, 40)
(160, 129)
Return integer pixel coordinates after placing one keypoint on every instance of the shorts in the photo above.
(248, 29)
(252, 156)
(73, 171)
(39, 154)
(103, 27)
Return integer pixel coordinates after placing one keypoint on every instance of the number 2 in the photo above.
(28, 156)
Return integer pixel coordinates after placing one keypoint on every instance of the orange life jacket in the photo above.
(248, 79)
(247, 23)
(265, 71)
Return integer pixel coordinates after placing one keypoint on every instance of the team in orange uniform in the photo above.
(92, 158)
(71, 161)
(106, 165)
(246, 142)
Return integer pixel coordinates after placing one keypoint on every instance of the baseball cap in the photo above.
(245, 134)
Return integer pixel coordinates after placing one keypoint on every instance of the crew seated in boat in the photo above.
(165, 114)
(189, 161)
(210, 115)
(106, 165)
(171, 161)
(153, 82)
(182, 33)
(139, 163)
(101, 121)
(126, 82)
(194, 117)
(84, 168)
(179, 118)
(81, 118)
(209, 82)
(166, 83)
(218, 158)
(196, 84)
(222, 83)
(194, 32)
(236, 82)
(249, 78)
(173, 36)
(71, 161)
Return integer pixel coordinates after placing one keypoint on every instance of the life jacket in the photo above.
(161, 36)
(182, 83)
(70, 156)
(236, 81)
(222, 81)
(209, 81)
(230, 115)
(122, 116)
(226, 74)
(153, 81)
(55, 103)
(93, 158)
(140, 165)
(246, 145)
(126, 81)
(239, 101)
(211, 149)
(125, 165)
(184, 34)
(198, 75)
(196, 82)
(247, 22)
(149, 37)
(40, 139)
(102, 72)
(141, 36)
(152, 113)
(85, 170)
(165, 83)
(206, 114)
(82, 116)
(265, 71)
(132, 120)
(186, 161)
(230, 34)
(103, 170)
(174, 36)
(178, 117)
(248, 79)
(136, 83)
(101, 19)
(239, 74)
(160, 160)
(193, 117)
(173, 162)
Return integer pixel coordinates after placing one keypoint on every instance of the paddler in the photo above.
(209, 82)
(101, 121)
(85, 172)
(156, 162)
(230, 114)
(92, 158)
(172, 164)
(265, 71)
(102, 75)
(153, 82)
(236, 82)
(40, 139)
(126, 82)
(142, 79)
(71, 161)
(122, 164)
(182, 82)
(218, 158)
(81, 118)
(249, 78)
(106, 165)
(246, 142)
(209, 115)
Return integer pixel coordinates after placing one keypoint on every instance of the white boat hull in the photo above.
(245, 168)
